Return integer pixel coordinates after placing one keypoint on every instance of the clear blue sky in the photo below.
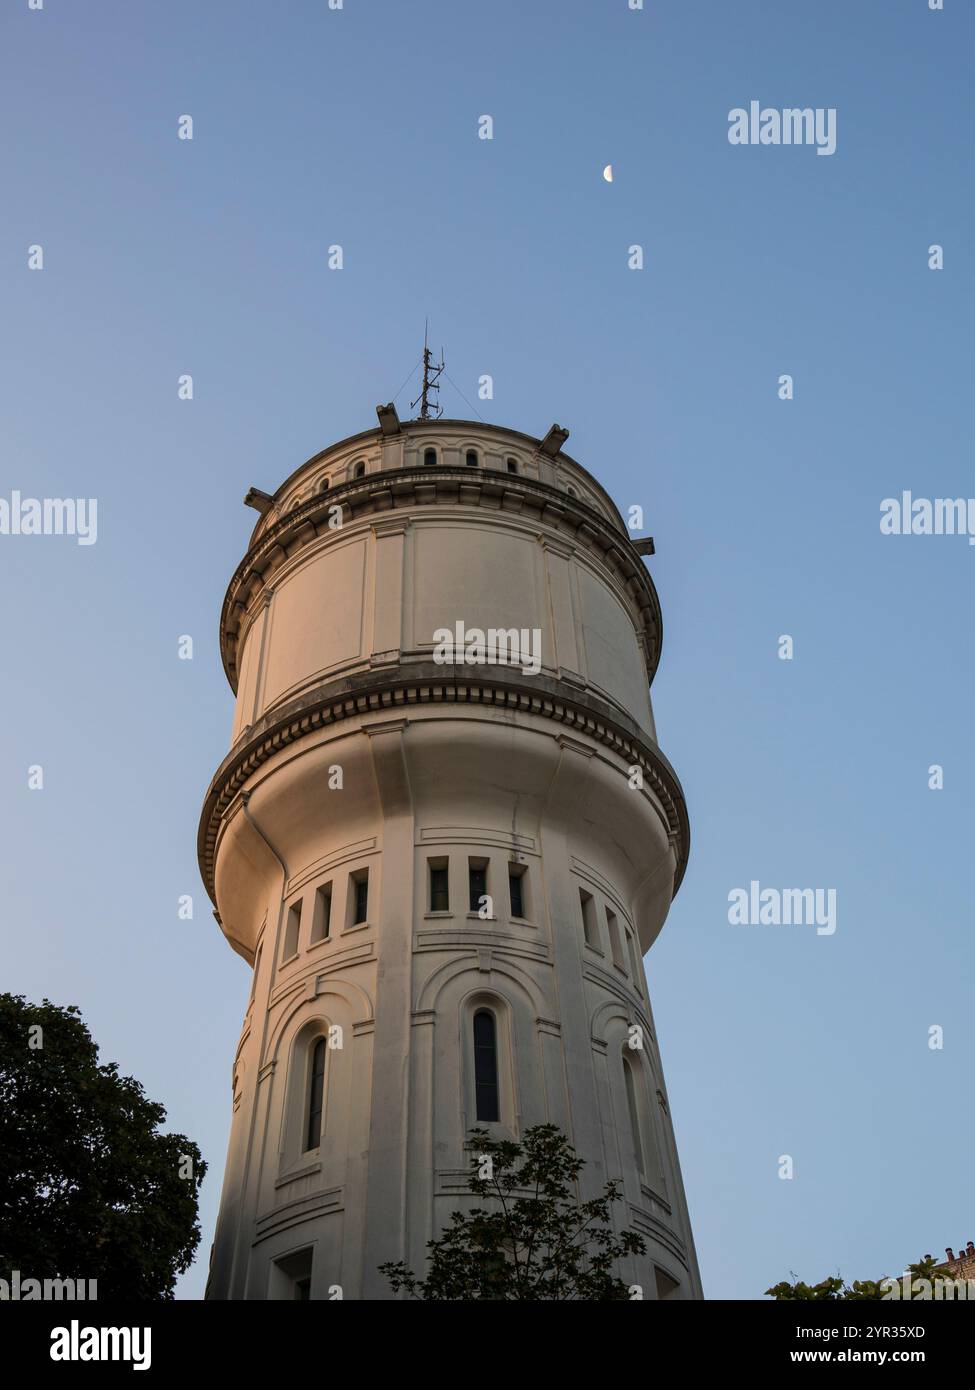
(358, 127)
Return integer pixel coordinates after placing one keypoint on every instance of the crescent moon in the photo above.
(608, 173)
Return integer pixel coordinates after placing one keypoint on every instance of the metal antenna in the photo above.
(429, 410)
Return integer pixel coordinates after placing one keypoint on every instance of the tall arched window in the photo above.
(471, 459)
(359, 470)
(323, 485)
(429, 457)
(486, 1066)
(630, 1081)
(316, 1096)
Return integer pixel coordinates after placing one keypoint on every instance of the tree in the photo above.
(531, 1238)
(89, 1188)
(835, 1288)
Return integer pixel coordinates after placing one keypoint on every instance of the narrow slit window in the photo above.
(589, 928)
(486, 1066)
(516, 889)
(257, 969)
(634, 1114)
(291, 931)
(316, 1096)
(322, 921)
(477, 882)
(615, 942)
(439, 888)
(634, 958)
(360, 898)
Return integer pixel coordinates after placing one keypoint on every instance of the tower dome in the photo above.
(443, 839)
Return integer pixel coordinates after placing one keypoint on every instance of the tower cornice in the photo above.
(429, 683)
(430, 428)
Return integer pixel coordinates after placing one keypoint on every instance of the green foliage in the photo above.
(89, 1189)
(835, 1288)
(531, 1238)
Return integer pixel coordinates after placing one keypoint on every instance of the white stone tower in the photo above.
(414, 853)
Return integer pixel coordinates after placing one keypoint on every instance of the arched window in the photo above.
(323, 485)
(512, 465)
(360, 470)
(429, 457)
(486, 1066)
(634, 1115)
(471, 458)
(316, 1096)
(571, 491)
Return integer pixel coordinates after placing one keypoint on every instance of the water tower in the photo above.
(443, 868)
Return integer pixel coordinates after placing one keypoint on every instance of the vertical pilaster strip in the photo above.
(384, 1235)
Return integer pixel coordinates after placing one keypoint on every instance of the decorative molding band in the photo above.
(500, 943)
(296, 1212)
(657, 1230)
(631, 1004)
(549, 1025)
(428, 683)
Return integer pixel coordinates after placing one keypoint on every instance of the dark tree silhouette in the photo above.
(835, 1288)
(531, 1238)
(89, 1187)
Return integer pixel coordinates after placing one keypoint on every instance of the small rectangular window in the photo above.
(292, 930)
(439, 886)
(257, 969)
(589, 928)
(322, 921)
(615, 943)
(477, 881)
(634, 958)
(516, 889)
(291, 1277)
(360, 897)
(667, 1285)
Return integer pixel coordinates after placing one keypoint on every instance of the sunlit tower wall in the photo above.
(410, 853)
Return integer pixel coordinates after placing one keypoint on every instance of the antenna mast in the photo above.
(429, 410)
